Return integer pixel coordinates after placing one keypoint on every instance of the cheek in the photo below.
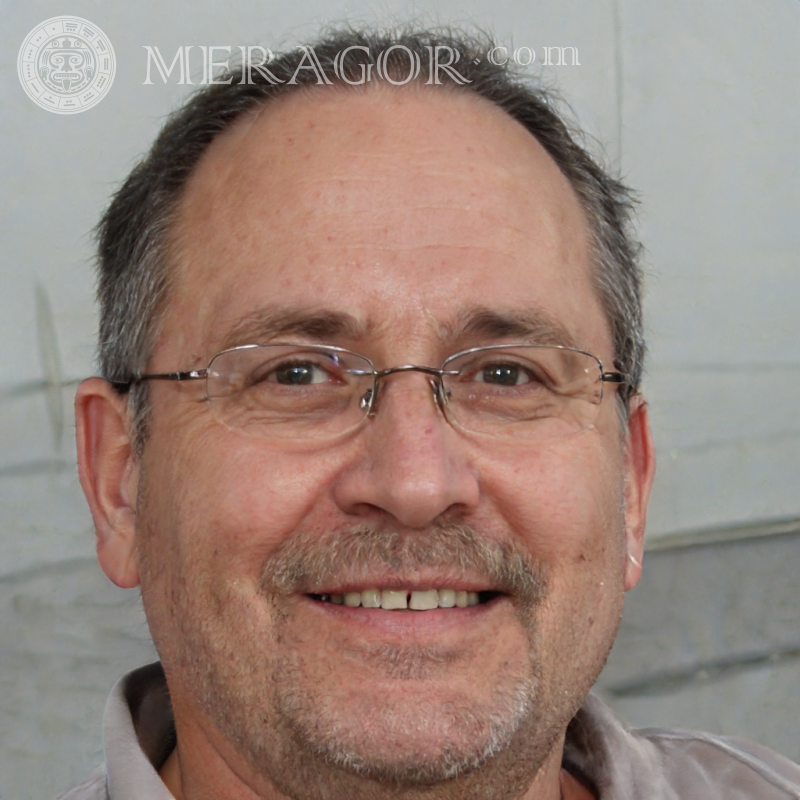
(562, 501)
(232, 499)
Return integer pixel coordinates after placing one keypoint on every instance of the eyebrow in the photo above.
(531, 325)
(268, 323)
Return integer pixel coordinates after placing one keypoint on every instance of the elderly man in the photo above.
(370, 441)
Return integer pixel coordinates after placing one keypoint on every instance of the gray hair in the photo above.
(133, 234)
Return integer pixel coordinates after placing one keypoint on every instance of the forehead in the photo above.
(402, 209)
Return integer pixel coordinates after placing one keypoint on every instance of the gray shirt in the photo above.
(617, 764)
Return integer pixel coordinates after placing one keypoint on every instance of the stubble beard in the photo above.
(258, 691)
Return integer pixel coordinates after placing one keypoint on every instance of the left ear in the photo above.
(640, 469)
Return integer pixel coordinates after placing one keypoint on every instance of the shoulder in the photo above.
(138, 735)
(93, 788)
(736, 768)
(672, 764)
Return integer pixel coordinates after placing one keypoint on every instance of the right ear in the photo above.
(109, 475)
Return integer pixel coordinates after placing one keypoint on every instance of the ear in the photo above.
(109, 476)
(640, 469)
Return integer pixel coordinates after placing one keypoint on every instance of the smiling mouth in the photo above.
(403, 599)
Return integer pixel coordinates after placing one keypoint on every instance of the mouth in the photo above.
(407, 599)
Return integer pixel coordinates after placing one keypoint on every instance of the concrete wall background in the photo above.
(700, 105)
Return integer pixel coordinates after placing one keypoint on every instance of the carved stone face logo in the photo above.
(66, 65)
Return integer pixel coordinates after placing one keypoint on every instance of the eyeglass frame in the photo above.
(440, 393)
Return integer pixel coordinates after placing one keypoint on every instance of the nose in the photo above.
(410, 464)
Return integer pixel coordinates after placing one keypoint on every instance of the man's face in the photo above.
(412, 214)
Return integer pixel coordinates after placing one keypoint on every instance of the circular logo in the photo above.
(66, 65)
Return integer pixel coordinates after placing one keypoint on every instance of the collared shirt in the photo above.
(617, 764)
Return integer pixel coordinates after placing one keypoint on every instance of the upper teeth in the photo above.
(393, 599)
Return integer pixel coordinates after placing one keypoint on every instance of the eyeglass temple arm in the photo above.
(191, 375)
(613, 377)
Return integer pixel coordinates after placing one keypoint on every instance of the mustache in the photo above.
(308, 560)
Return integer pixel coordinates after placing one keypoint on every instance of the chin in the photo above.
(420, 735)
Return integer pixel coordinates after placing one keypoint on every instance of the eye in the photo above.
(297, 370)
(298, 373)
(500, 374)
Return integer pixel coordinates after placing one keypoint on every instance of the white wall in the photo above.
(699, 102)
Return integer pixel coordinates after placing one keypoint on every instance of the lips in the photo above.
(402, 599)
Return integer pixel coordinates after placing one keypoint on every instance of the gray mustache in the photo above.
(308, 560)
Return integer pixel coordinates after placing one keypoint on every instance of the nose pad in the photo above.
(440, 394)
(365, 403)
